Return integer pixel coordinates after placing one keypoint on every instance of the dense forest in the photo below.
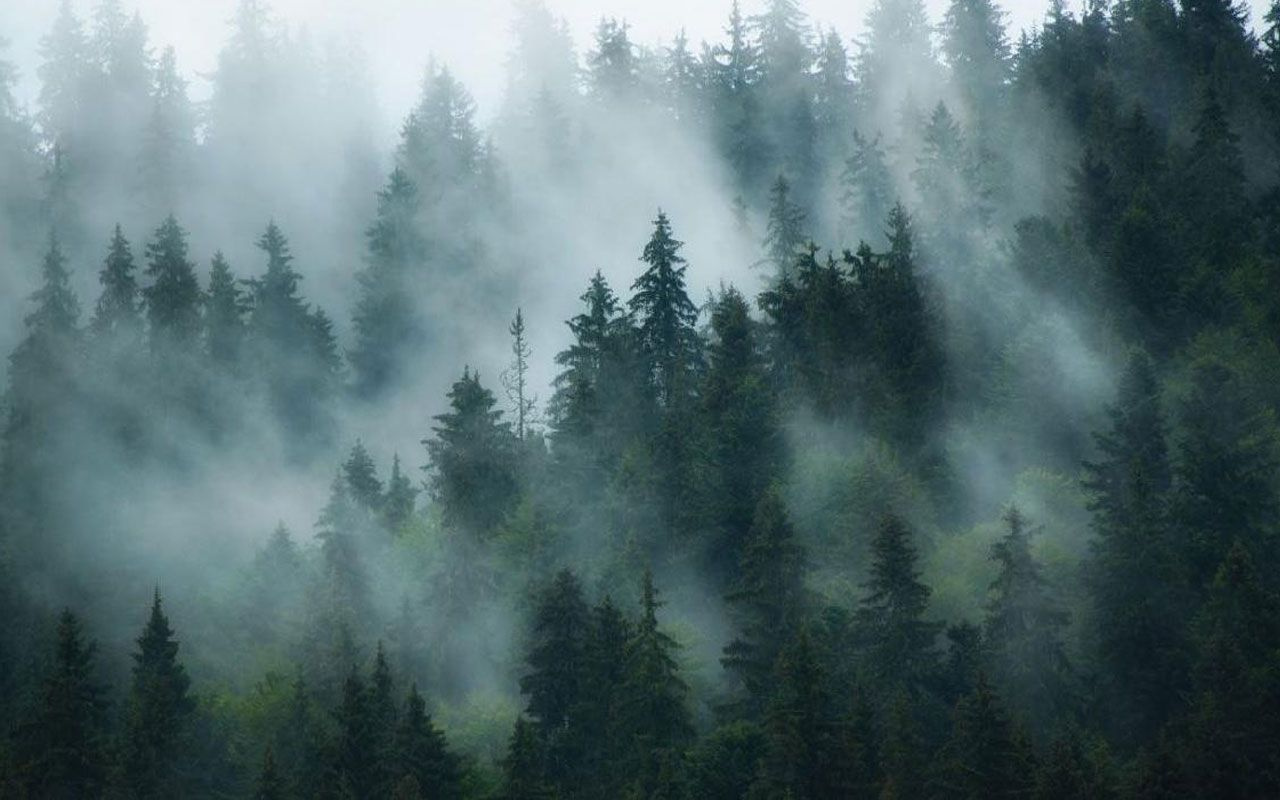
(942, 462)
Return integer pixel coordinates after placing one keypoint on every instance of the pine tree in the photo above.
(1135, 574)
(603, 687)
(422, 754)
(612, 70)
(784, 234)
(769, 599)
(977, 51)
(653, 713)
(471, 470)
(1023, 630)
(225, 309)
(440, 146)
(666, 316)
(60, 752)
(735, 71)
(159, 715)
(117, 309)
(64, 74)
(173, 298)
(898, 641)
(386, 322)
(398, 503)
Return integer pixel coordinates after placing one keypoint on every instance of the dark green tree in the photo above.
(225, 309)
(117, 308)
(353, 763)
(770, 602)
(60, 751)
(986, 756)
(666, 316)
(361, 475)
(472, 473)
(173, 297)
(899, 643)
(784, 233)
(270, 785)
(522, 777)
(159, 715)
(421, 753)
(398, 502)
(1023, 631)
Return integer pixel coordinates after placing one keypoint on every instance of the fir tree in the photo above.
(117, 309)
(471, 469)
(169, 149)
(522, 767)
(271, 785)
(866, 188)
(159, 715)
(225, 309)
(666, 316)
(423, 755)
(386, 321)
(1023, 630)
(784, 234)
(985, 756)
(653, 712)
(603, 686)
(362, 478)
(60, 752)
(398, 503)
(354, 759)
(899, 642)
(173, 297)
(769, 599)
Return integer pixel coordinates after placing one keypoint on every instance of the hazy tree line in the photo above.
(976, 497)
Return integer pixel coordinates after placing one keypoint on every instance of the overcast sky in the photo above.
(471, 36)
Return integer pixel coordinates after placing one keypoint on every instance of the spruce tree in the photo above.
(899, 643)
(362, 478)
(1023, 630)
(769, 600)
(168, 160)
(225, 309)
(866, 188)
(60, 751)
(270, 785)
(353, 768)
(471, 472)
(986, 756)
(159, 715)
(603, 687)
(173, 297)
(741, 419)
(398, 502)
(117, 308)
(784, 233)
(423, 755)
(666, 316)
(654, 714)
(386, 322)
(522, 776)
(1134, 574)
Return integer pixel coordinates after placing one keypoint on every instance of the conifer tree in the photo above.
(471, 470)
(225, 309)
(354, 759)
(271, 785)
(60, 751)
(1135, 577)
(362, 478)
(603, 686)
(522, 767)
(169, 149)
(665, 316)
(740, 416)
(769, 599)
(422, 754)
(398, 503)
(612, 69)
(977, 51)
(866, 188)
(117, 308)
(516, 379)
(735, 71)
(173, 297)
(985, 756)
(386, 322)
(653, 714)
(159, 714)
(784, 234)
(1023, 630)
(898, 641)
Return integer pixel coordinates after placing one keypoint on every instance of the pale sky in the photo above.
(399, 36)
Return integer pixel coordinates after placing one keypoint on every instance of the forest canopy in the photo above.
(790, 415)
